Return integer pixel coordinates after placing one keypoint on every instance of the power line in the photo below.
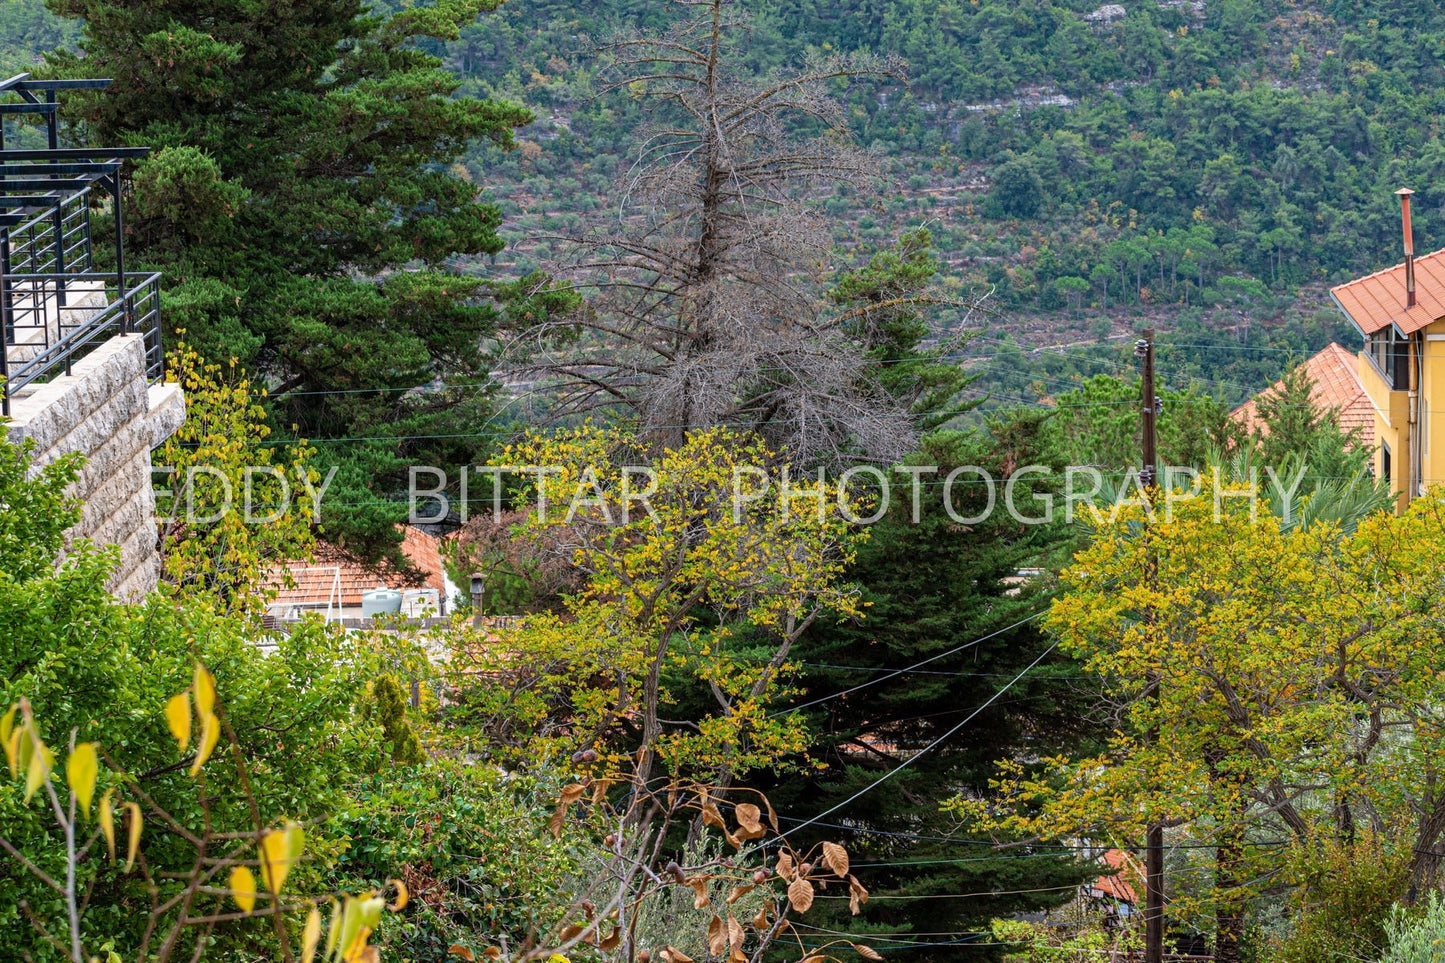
(898, 672)
(947, 735)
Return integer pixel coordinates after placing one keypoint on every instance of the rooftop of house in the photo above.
(1117, 883)
(1378, 300)
(1337, 388)
(335, 580)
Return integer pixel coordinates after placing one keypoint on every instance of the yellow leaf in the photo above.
(133, 846)
(210, 735)
(12, 752)
(7, 729)
(279, 849)
(333, 932)
(243, 888)
(311, 935)
(204, 685)
(107, 822)
(178, 717)
(402, 896)
(38, 770)
(80, 773)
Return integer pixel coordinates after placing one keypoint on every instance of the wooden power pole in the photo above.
(1149, 477)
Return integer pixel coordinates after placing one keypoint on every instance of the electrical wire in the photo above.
(947, 735)
(906, 669)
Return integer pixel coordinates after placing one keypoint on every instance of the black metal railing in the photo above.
(54, 306)
(47, 337)
(54, 241)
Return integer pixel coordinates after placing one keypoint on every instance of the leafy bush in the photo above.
(473, 846)
(1416, 937)
(1347, 898)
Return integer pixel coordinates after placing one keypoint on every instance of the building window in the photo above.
(1385, 464)
(1391, 354)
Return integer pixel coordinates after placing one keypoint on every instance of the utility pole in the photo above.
(1148, 478)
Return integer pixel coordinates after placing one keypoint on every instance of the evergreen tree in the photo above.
(938, 589)
(1292, 426)
(301, 205)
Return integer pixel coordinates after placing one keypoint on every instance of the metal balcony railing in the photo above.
(54, 306)
(45, 336)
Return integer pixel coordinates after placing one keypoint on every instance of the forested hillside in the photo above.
(1209, 166)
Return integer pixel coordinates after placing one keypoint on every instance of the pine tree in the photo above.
(301, 203)
(932, 589)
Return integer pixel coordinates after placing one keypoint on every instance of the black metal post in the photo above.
(52, 140)
(127, 317)
(4, 341)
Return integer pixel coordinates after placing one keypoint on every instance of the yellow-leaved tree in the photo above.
(1269, 686)
(698, 572)
(697, 582)
(230, 501)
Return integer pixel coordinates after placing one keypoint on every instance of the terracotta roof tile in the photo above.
(336, 572)
(1377, 300)
(1117, 884)
(1337, 387)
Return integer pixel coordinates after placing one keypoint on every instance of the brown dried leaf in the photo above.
(699, 886)
(760, 922)
(772, 815)
(867, 952)
(493, 952)
(572, 793)
(735, 842)
(735, 934)
(712, 817)
(717, 936)
(555, 823)
(568, 933)
(800, 894)
(599, 790)
(738, 892)
(611, 942)
(675, 955)
(457, 949)
(857, 895)
(835, 857)
(749, 817)
(785, 867)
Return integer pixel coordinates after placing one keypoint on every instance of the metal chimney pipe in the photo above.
(1404, 195)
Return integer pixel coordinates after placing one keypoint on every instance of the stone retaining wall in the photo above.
(106, 410)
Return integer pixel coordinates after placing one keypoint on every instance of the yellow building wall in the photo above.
(1392, 416)
(1432, 408)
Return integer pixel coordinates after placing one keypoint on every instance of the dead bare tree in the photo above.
(705, 300)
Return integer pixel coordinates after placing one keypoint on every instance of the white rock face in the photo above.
(106, 410)
(1109, 13)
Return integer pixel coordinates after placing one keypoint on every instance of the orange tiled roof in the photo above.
(1116, 884)
(1337, 386)
(316, 581)
(1377, 300)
